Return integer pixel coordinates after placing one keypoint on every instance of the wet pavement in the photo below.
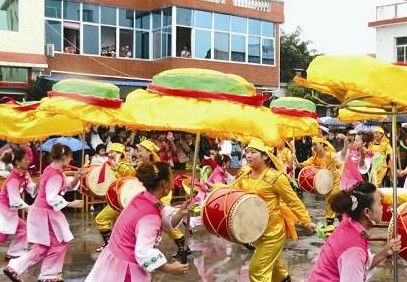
(213, 259)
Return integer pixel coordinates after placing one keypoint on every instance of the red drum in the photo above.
(122, 191)
(90, 179)
(401, 229)
(387, 201)
(235, 215)
(315, 180)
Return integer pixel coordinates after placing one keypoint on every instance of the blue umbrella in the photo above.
(73, 143)
(330, 121)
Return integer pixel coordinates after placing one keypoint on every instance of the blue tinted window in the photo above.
(268, 52)
(203, 19)
(90, 39)
(142, 20)
(142, 44)
(53, 34)
(221, 50)
(254, 27)
(238, 48)
(268, 29)
(108, 15)
(222, 22)
(254, 49)
(184, 16)
(167, 15)
(156, 19)
(203, 44)
(238, 24)
(90, 13)
(53, 8)
(71, 11)
(126, 18)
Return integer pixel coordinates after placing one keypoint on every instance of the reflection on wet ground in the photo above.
(213, 259)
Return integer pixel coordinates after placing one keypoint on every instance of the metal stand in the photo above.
(394, 142)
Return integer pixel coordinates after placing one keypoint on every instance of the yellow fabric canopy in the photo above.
(358, 77)
(352, 114)
(215, 118)
(24, 126)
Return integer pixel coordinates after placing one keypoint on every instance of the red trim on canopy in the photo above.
(96, 101)
(205, 95)
(294, 112)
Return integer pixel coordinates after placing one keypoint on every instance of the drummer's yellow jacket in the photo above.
(275, 189)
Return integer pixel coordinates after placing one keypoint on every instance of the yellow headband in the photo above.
(260, 146)
(152, 148)
(117, 147)
(378, 129)
(317, 139)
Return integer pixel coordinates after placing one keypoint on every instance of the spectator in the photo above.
(100, 158)
(185, 53)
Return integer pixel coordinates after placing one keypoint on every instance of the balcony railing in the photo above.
(262, 5)
(216, 1)
(393, 11)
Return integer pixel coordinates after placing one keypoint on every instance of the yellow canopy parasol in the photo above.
(358, 77)
(24, 123)
(217, 104)
(358, 111)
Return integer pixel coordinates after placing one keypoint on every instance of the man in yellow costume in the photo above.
(381, 150)
(324, 156)
(265, 178)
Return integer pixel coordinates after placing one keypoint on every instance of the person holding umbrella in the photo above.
(47, 227)
(11, 202)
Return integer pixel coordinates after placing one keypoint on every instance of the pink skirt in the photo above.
(108, 267)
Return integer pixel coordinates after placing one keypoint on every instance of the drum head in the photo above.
(131, 187)
(248, 218)
(100, 189)
(323, 181)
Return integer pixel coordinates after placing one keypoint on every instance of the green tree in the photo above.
(295, 54)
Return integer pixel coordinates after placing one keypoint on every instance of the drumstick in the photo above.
(377, 239)
(73, 167)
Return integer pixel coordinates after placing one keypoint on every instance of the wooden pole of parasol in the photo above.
(395, 234)
(184, 257)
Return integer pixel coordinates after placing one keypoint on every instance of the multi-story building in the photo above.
(391, 32)
(129, 41)
(21, 45)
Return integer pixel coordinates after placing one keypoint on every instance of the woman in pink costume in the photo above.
(47, 227)
(221, 174)
(345, 256)
(11, 202)
(357, 160)
(132, 252)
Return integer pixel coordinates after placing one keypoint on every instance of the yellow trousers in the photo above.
(267, 264)
(329, 213)
(106, 218)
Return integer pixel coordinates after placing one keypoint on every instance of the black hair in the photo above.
(100, 147)
(221, 159)
(7, 157)
(367, 137)
(18, 155)
(152, 174)
(269, 162)
(59, 151)
(363, 192)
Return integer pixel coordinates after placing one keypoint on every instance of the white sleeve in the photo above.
(148, 235)
(366, 167)
(14, 197)
(32, 189)
(167, 212)
(3, 170)
(52, 190)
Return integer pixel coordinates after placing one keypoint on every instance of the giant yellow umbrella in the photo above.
(359, 110)
(363, 78)
(21, 123)
(217, 104)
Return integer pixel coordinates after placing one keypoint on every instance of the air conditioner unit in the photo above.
(49, 50)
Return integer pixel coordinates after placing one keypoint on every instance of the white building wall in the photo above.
(386, 41)
(30, 35)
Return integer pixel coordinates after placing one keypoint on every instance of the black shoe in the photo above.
(12, 275)
(287, 279)
(9, 257)
(330, 221)
(106, 238)
(182, 253)
(249, 246)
